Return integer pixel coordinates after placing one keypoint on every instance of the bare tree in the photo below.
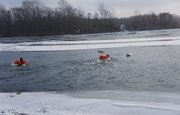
(104, 12)
(65, 8)
(5, 20)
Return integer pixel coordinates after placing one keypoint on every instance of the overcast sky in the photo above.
(121, 8)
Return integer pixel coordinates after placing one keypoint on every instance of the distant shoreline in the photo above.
(51, 34)
(42, 35)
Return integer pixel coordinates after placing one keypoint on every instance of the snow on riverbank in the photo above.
(90, 44)
(51, 103)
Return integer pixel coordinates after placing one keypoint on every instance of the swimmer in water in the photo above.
(20, 62)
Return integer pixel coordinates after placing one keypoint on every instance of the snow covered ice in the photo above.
(53, 103)
(89, 44)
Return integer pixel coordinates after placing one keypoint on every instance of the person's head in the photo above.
(21, 59)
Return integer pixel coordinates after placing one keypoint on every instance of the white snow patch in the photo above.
(50, 103)
(94, 44)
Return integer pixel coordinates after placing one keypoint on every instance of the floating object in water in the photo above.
(128, 54)
(100, 51)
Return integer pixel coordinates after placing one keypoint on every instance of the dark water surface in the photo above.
(149, 69)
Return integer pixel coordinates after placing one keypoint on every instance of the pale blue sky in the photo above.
(121, 8)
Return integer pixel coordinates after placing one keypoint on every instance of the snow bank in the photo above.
(53, 42)
(51, 103)
(82, 45)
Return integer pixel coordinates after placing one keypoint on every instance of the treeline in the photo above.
(34, 18)
(151, 22)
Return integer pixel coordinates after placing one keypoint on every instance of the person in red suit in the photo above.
(20, 62)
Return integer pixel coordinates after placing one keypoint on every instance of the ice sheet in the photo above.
(94, 44)
(51, 103)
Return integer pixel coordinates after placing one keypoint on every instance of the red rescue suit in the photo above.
(103, 57)
(20, 63)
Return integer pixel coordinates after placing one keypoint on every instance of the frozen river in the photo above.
(64, 76)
